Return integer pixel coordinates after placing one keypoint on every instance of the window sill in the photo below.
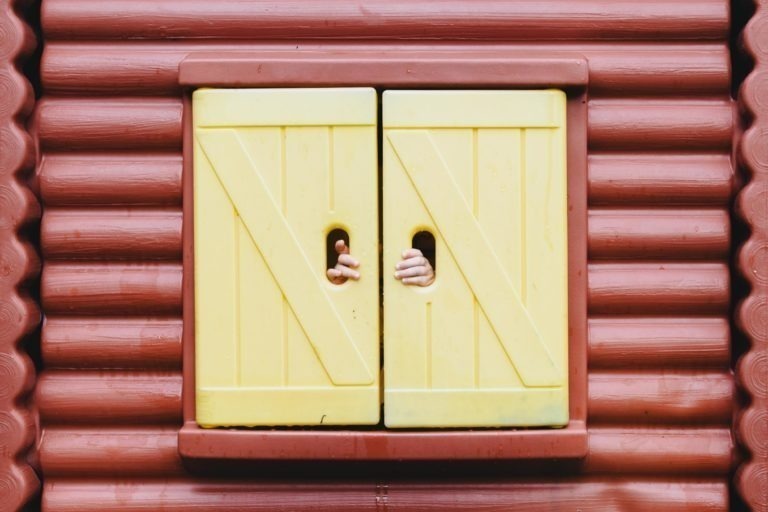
(351, 445)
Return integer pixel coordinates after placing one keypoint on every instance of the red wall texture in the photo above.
(660, 128)
(19, 264)
(752, 314)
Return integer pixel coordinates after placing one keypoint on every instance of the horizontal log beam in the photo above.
(111, 234)
(156, 234)
(112, 288)
(614, 179)
(85, 179)
(85, 451)
(111, 343)
(384, 19)
(64, 397)
(585, 494)
(657, 70)
(682, 451)
(658, 288)
(614, 343)
(701, 398)
(621, 179)
(661, 342)
(133, 397)
(146, 123)
(152, 68)
(613, 288)
(659, 234)
(125, 451)
(660, 124)
(125, 123)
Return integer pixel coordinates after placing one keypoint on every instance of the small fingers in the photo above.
(347, 272)
(344, 265)
(334, 276)
(419, 280)
(415, 261)
(340, 274)
(347, 260)
(420, 270)
(411, 253)
(414, 269)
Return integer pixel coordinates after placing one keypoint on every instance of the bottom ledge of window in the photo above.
(351, 445)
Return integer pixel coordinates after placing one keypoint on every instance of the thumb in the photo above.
(341, 247)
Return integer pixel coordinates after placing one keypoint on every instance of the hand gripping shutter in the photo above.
(275, 171)
(486, 344)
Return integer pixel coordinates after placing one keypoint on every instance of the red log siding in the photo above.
(752, 313)
(387, 19)
(87, 495)
(660, 180)
(19, 263)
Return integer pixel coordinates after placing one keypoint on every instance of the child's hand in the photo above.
(414, 269)
(344, 265)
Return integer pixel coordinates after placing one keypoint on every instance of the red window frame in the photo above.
(390, 68)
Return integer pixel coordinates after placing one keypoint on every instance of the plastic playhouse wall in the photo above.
(95, 248)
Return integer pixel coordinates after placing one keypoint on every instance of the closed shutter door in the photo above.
(486, 344)
(275, 172)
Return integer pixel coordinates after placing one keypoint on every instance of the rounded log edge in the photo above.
(752, 476)
(18, 314)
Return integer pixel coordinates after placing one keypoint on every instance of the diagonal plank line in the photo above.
(283, 253)
(475, 256)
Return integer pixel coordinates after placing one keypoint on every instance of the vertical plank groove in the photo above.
(429, 345)
(476, 340)
(331, 177)
(238, 310)
(283, 173)
(286, 349)
(475, 175)
(523, 219)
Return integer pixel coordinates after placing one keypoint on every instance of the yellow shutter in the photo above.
(275, 170)
(486, 344)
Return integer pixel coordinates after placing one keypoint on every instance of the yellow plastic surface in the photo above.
(487, 343)
(275, 170)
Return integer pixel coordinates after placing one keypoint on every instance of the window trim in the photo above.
(389, 68)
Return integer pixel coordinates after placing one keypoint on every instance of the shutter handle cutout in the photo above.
(339, 272)
(425, 242)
